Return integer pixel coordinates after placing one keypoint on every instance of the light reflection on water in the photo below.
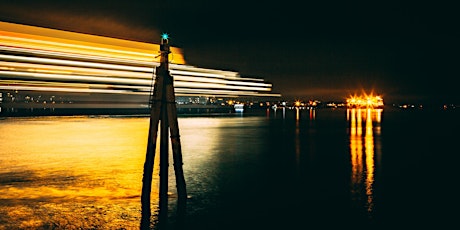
(81, 172)
(277, 170)
(71, 172)
(363, 175)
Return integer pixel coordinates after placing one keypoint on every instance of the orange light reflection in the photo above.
(363, 180)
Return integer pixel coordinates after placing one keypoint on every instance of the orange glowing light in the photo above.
(36, 38)
(365, 101)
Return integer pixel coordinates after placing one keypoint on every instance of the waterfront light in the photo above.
(297, 103)
(365, 101)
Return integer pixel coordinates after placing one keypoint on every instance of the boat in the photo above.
(239, 108)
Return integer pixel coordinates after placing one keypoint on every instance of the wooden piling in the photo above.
(163, 108)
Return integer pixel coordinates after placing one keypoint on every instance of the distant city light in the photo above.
(365, 101)
(164, 36)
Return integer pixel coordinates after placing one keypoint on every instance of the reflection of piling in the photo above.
(163, 108)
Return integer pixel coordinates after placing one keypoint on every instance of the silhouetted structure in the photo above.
(163, 108)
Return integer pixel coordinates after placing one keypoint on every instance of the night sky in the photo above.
(407, 52)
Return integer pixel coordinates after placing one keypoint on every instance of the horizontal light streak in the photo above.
(218, 81)
(117, 67)
(71, 85)
(78, 56)
(73, 90)
(17, 66)
(180, 84)
(210, 74)
(181, 69)
(201, 74)
(73, 37)
(214, 92)
(222, 92)
(95, 79)
(34, 55)
(179, 91)
(73, 63)
(223, 73)
(40, 68)
(29, 75)
(63, 44)
(87, 74)
(72, 48)
(71, 42)
(205, 72)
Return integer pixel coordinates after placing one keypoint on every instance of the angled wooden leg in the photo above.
(176, 144)
(148, 166)
(164, 164)
(155, 114)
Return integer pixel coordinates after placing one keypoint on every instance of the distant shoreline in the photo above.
(122, 112)
(183, 111)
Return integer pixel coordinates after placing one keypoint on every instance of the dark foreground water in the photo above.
(311, 169)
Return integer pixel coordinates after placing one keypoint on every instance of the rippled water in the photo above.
(71, 171)
(308, 168)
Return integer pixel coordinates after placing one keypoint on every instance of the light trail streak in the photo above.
(40, 59)
(223, 73)
(17, 66)
(50, 39)
(99, 79)
(73, 63)
(143, 91)
(73, 48)
(210, 80)
(180, 84)
(74, 71)
(53, 53)
(221, 92)
(201, 74)
(81, 78)
(60, 89)
(71, 85)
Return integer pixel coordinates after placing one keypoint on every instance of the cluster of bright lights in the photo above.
(365, 101)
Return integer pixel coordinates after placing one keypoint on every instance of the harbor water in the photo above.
(283, 169)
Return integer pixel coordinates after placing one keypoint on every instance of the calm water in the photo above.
(308, 169)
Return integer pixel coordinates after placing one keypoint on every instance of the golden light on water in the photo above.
(363, 172)
(86, 173)
(72, 172)
(356, 153)
(369, 150)
(312, 114)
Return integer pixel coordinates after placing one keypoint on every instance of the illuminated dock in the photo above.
(42, 66)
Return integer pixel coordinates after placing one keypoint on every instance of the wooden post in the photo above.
(163, 108)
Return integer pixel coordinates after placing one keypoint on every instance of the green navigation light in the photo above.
(164, 36)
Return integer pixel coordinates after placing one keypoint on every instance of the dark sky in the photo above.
(406, 51)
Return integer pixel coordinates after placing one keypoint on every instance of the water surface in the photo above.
(283, 170)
